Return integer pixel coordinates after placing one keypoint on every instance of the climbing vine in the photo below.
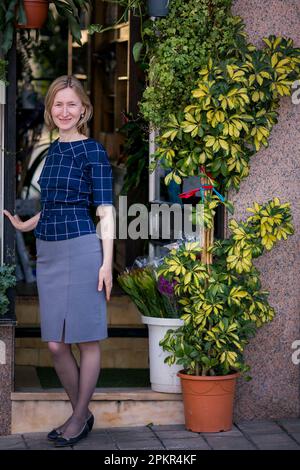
(177, 46)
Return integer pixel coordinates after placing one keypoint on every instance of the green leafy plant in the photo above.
(7, 280)
(135, 152)
(176, 47)
(71, 10)
(3, 65)
(134, 6)
(130, 7)
(153, 295)
(223, 302)
(47, 58)
(230, 117)
(12, 12)
(231, 113)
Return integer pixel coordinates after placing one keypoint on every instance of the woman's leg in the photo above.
(89, 373)
(67, 370)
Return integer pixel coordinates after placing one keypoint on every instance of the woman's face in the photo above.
(66, 110)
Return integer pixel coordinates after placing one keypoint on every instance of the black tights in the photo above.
(79, 384)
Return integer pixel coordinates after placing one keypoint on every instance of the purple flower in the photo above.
(166, 287)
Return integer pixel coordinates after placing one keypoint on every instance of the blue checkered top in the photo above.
(75, 176)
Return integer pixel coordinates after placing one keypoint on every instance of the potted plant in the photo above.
(32, 14)
(13, 12)
(223, 305)
(7, 280)
(154, 297)
(229, 118)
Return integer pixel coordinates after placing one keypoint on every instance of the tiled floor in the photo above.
(282, 434)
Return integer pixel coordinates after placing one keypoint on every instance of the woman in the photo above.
(74, 266)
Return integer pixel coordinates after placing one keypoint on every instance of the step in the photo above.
(41, 411)
(126, 347)
(120, 311)
(116, 352)
(29, 378)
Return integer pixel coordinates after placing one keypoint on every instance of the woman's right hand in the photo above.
(25, 226)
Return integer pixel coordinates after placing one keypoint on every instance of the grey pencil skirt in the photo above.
(72, 309)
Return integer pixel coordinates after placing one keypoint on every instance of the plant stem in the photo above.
(206, 257)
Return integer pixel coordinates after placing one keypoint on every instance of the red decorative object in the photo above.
(203, 187)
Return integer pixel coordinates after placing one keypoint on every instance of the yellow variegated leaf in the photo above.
(177, 179)
(274, 60)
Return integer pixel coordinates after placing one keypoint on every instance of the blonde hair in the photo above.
(68, 81)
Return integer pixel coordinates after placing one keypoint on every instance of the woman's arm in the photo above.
(26, 226)
(107, 230)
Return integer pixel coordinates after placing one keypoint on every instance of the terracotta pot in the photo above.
(208, 402)
(36, 14)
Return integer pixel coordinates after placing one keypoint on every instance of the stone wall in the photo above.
(274, 389)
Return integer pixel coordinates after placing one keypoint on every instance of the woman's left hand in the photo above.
(105, 276)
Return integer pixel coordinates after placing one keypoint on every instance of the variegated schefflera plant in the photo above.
(230, 117)
(223, 302)
(231, 114)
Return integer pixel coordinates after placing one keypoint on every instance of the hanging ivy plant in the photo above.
(13, 12)
(177, 46)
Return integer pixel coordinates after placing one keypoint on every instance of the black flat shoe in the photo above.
(90, 422)
(65, 441)
(53, 435)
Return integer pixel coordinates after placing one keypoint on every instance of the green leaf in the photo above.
(229, 206)
(136, 51)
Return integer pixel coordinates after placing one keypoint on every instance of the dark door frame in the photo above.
(9, 254)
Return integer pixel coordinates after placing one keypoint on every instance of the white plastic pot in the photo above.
(2, 92)
(163, 377)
